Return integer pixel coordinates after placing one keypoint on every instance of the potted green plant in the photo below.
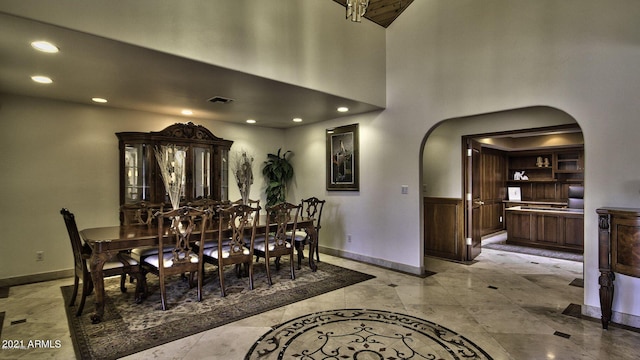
(279, 172)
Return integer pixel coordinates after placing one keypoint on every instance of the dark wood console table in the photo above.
(618, 251)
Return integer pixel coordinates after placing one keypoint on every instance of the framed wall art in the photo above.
(343, 158)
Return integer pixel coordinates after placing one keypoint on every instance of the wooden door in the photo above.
(473, 201)
(492, 190)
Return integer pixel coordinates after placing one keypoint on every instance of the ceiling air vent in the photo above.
(220, 100)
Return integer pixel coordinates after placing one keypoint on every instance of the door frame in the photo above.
(472, 227)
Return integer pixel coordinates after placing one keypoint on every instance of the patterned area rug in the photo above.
(363, 334)
(128, 327)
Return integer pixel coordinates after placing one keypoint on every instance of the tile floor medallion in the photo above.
(363, 334)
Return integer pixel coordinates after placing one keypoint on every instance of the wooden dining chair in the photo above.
(120, 265)
(250, 202)
(280, 242)
(233, 247)
(176, 232)
(140, 213)
(311, 208)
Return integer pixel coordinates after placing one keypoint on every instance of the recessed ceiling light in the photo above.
(44, 46)
(251, 121)
(41, 79)
(297, 120)
(343, 109)
(99, 100)
(187, 112)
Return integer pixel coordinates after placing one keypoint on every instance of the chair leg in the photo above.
(267, 263)
(317, 251)
(76, 282)
(221, 276)
(163, 293)
(87, 285)
(250, 274)
(293, 272)
(200, 275)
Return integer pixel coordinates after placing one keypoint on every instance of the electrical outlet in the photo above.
(349, 238)
(39, 255)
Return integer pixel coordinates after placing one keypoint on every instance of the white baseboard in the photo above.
(34, 278)
(616, 317)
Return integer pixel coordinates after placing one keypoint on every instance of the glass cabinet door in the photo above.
(136, 173)
(201, 172)
(224, 174)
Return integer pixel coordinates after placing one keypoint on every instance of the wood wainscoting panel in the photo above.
(444, 228)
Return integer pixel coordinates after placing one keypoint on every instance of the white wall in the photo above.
(442, 154)
(306, 43)
(448, 59)
(58, 154)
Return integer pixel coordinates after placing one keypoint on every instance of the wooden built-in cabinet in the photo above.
(549, 229)
(206, 174)
(547, 180)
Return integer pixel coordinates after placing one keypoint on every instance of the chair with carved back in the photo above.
(280, 242)
(176, 230)
(140, 213)
(311, 208)
(234, 224)
(213, 206)
(250, 202)
(120, 265)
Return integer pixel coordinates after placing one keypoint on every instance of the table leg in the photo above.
(97, 263)
(313, 242)
(606, 296)
(604, 264)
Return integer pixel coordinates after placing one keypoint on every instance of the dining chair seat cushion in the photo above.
(212, 243)
(213, 252)
(299, 235)
(154, 260)
(260, 245)
(117, 264)
(208, 244)
(141, 253)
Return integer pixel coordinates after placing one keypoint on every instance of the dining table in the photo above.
(106, 242)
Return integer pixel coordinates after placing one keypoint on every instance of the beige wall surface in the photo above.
(58, 154)
(459, 58)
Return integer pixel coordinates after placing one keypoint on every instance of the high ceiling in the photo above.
(136, 78)
(383, 12)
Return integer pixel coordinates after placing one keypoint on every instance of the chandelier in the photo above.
(356, 9)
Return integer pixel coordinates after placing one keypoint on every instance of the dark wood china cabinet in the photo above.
(206, 170)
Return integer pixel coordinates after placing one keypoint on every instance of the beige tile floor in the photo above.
(516, 320)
